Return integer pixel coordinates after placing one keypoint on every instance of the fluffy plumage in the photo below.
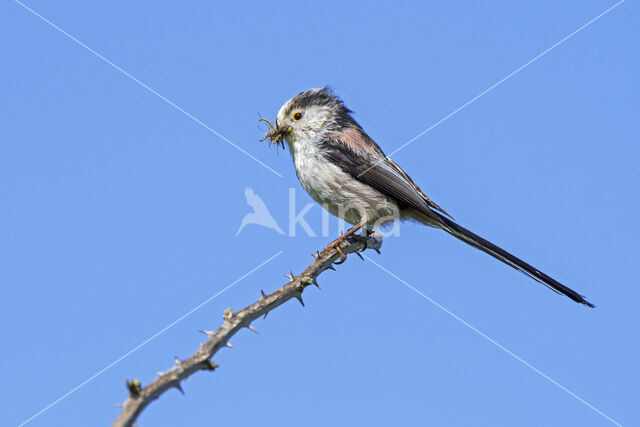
(345, 171)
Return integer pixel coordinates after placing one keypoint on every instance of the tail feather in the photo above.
(486, 246)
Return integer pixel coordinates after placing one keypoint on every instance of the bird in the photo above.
(260, 214)
(345, 170)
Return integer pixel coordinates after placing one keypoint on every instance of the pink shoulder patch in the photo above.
(353, 138)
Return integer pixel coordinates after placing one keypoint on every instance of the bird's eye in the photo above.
(297, 116)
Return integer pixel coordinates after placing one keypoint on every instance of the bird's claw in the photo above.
(336, 245)
(344, 236)
(343, 257)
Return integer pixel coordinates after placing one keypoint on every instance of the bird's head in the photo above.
(309, 115)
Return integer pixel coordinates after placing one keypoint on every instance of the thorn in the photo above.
(207, 333)
(265, 315)
(176, 361)
(252, 328)
(179, 387)
(316, 255)
(331, 268)
(262, 295)
(289, 276)
(377, 250)
(315, 282)
(299, 298)
(228, 314)
(358, 253)
(228, 344)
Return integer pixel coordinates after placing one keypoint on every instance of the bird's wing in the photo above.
(366, 163)
(371, 167)
(426, 198)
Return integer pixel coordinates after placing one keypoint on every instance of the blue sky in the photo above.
(119, 213)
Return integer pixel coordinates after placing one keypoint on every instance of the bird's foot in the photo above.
(370, 239)
(374, 241)
(336, 245)
(367, 236)
(364, 237)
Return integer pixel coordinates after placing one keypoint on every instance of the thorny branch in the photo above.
(140, 397)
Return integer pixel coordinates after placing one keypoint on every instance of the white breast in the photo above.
(339, 193)
(318, 177)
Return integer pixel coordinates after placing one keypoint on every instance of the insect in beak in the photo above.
(275, 136)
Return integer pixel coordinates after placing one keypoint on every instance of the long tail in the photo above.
(486, 246)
